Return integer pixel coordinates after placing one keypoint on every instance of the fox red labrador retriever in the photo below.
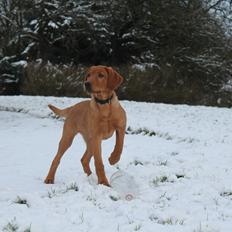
(96, 119)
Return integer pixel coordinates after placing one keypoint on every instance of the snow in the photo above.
(9, 78)
(183, 170)
(27, 49)
(22, 63)
(52, 24)
(33, 22)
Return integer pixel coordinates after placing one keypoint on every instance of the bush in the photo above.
(52, 80)
(141, 83)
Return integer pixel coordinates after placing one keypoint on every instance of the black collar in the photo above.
(103, 102)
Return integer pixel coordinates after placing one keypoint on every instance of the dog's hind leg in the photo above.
(65, 143)
(85, 160)
(95, 149)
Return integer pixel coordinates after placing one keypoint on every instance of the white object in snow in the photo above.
(125, 185)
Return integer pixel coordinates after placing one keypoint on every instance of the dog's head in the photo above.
(101, 78)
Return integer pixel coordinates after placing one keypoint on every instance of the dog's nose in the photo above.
(87, 86)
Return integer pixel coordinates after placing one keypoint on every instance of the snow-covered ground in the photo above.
(184, 171)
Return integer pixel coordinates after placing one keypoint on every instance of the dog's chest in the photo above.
(106, 128)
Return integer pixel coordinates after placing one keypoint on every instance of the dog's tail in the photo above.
(62, 113)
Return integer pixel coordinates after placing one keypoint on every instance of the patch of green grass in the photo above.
(166, 221)
(27, 229)
(199, 229)
(137, 162)
(178, 176)
(13, 226)
(138, 227)
(163, 163)
(73, 186)
(153, 218)
(21, 201)
(113, 198)
(92, 199)
(226, 194)
(171, 221)
(143, 131)
(52, 193)
(157, 180)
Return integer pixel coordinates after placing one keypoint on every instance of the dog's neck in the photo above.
(103, 98)
(104, 102)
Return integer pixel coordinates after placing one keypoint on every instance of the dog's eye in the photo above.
(100, 75)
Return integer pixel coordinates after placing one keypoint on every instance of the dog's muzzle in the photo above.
(88, 87)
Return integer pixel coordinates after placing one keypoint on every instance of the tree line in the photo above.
(177, 51)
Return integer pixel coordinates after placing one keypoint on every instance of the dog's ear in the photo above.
(85, 73)
(114, 79)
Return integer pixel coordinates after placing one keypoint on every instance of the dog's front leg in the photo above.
(116, 154)
(96, 151)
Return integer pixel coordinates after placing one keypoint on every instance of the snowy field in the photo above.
(180, 156)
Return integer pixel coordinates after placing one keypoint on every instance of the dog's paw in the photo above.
(104, 182)
(49, 180)
(113, 160)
